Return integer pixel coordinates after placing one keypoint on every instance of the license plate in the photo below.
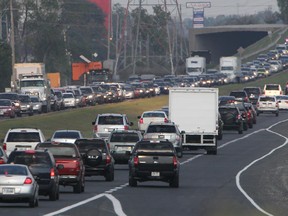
(121, 148)
(23, 148)
(8, 191)
(155, 174)
(1, 112)
(110, 129)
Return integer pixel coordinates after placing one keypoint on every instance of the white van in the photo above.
(272, 90)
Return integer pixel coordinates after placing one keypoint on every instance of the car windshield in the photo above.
(86, 90)
(5, 103)
(124, 137)
(13, 170)
(161, 129)
(60, 151)
(37, 158)
(153, 146)
(110, 120)
(252, 91)
(66, 134)
(32, 83)
(23, 137)
(24, 98)
(35, 99)
(68, 95)
(9, 96)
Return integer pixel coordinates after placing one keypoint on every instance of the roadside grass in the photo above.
(81, 119)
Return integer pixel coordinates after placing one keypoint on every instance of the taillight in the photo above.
(2, 161)
(257, 104)
(108, 159)
(126, 127)
(4, 146)
(28, 180)
(136, 161)
(238, 116)
(95, 128)
(52, 173)
(77, 165)
(175, 162)
(165, 120)
(141, 121)
(108, 146)
(277, 104)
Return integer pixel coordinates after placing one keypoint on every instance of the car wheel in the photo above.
(93, 157)
(132, 182)
(240, 130)
(277, 113)
(220, 136)
(174, 182)
(251, 125)
(33, 202)
(53, 194)
(109, 176)
(179, 152)
(212, 151)
(258, 113)
(19, 114)
(31, 114)
(78, 187)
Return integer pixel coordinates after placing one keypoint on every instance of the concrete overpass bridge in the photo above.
(226, 40)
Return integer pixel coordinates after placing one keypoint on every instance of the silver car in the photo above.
(18, 185)
(168, 131)
(66, 136)
(37, 104)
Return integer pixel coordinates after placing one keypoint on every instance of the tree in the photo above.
(283, 6)
(5, 65)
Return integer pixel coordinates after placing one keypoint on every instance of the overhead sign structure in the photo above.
(198, 12)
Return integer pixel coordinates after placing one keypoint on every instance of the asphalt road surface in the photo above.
(249, 176)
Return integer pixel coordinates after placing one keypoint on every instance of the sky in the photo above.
(218, 7)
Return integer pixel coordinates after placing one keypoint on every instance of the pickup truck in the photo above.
(67, 154)
(153, 160)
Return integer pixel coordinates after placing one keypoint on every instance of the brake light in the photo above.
(77, 165)
(108, 159)
(4, 146)
(257, 104)
(30, 151)
(277, 104)
(141, 121)
(28, 180)
(2, 161)
(238, 116)
(165, 120)
(136, 161)
(52, 173)
(126, 127)
(175, 162)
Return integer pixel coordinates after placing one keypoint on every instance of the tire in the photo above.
(132, 182)
(179, 152)
(33, 202)
(53, 194)
(174, 182)
(78, 187)
(19, 114)
(220, 136)
(258, 113)
(277, 114)
(31, 114)
(93, 157)
(251, 125)
(245, 126)
(240, 130)
(109, 176)
(212, 152)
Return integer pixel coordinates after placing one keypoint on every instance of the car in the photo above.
(272, 89)
(26, 106)
(97, 158)
(22, 139)
(89, 95)
(151, 116)
(167, 130)
(37, 104)
(267, 104)
(7, 108)
(42, 165)
(67, 154)
(66, 136)
(122, 142)
(246, 115)
(240, 95)
(105, 123)
(253, 93)
(220, 127)
(3, 156)
(69, 100)
(282, 102)
(17, 184)
(14, 97)
(253, 113)
(231, 117)
(154, 161)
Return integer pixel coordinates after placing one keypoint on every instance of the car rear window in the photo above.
(161, 129)
(252, 91)
(5, 103)
(224, 111)
(110, 120)
(124, 137)
(272, 87)
(60, 151)
(66, 135)
(12, 170)
(151, 115)
(154, 146)
(30, 159)
(23, 137)
(272, 99)
(238, 94)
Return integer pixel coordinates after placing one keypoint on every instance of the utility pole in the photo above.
(137, 37)
(109, 31)
(12, 43)
(169, 41)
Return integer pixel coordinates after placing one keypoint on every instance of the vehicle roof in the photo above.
(125, 131)
(111, 114)
(24, 130)
(67, 131)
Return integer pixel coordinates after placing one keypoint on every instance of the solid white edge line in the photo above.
(255, 161)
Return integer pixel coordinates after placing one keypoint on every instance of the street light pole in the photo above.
(12, 43)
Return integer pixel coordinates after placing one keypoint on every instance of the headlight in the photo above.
(90, 96)
(141, 90)
(27, 106)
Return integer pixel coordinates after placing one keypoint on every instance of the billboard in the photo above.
(105, 6)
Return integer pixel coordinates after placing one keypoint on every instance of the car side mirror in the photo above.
(182, 132)
(138, 117)
(60, 166)
(131, 123)
(93, 123)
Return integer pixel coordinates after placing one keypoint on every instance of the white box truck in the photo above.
(195, 65)
(230, 66)
(195, 111)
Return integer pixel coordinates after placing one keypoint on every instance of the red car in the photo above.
(7, 108)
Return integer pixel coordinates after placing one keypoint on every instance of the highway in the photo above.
(247, 177)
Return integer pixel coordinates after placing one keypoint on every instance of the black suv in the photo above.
(96, 157)
(41, 163)
(253, 94)
(232, 118)
(240, 95)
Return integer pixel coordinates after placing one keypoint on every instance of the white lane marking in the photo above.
(116, 204)
(255, 161)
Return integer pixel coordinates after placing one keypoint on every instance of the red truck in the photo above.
(67, 154)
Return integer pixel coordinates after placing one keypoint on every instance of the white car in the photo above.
(69, 100)
(22, 139)
(151, 116)
(267, 104)
(272, 89)
(66, 136)
(282, 102)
